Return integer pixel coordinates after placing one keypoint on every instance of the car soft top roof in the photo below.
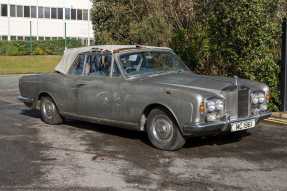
(70, 54)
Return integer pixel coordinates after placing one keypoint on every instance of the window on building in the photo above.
(33, 12)
(20, 38)
(60, 13)
(47, 13)
(47, 38)
(54, 13)
(26, 11)
(13, 10)
(73, 14)
(85, 14)
(67, 14)
(80, 14)
(4, 10)
(19, 11)
(4, 37)
(13, 38)
(41, 12)
(41, 38)
(27, 38)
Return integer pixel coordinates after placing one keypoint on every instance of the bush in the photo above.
(51, 47)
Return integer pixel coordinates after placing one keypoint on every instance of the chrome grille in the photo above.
(243, 103)
(231, 99)
(237, 103)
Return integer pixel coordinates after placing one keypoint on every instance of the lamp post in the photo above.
(30, 39)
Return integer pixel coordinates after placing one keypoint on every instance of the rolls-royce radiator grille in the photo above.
(243, 103)
(237, 103)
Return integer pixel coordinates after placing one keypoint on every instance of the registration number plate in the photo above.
(243, 125)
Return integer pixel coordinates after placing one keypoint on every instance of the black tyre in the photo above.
(49, 112)
(163, 132)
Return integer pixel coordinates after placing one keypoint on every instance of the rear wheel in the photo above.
(49, 111)
(163, 132)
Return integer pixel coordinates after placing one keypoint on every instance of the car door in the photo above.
(68, 88)
(98, 89)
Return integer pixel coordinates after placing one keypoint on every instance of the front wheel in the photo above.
(49, 112)
(163, 132)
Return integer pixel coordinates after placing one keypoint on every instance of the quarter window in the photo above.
(78, 66)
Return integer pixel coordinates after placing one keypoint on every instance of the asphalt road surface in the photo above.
(84, 156)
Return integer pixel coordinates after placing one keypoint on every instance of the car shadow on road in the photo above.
(221, 139)
(31, 113)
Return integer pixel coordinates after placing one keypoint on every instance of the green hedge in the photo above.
(48, 47)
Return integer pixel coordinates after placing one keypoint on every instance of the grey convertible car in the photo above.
(146, 89)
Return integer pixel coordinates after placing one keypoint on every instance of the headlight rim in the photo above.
(213, 102)
(256, 96)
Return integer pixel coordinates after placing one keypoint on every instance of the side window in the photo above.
(116, 70)
(78, 66)
(98, 64)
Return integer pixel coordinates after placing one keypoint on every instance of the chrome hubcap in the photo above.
(48, 109)
(162, 129)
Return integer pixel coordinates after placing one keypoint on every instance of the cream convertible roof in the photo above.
(71, 54)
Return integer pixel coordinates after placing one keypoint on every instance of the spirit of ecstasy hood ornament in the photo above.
(236, 81)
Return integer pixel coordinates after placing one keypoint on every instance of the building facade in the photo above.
(46, 19)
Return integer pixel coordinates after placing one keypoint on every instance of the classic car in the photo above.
(146, 89)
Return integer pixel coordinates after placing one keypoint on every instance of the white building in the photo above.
(45, 19)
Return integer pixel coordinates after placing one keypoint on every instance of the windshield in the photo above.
(150, 63)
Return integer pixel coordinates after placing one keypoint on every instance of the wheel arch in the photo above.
(46, 94)
(150, 107)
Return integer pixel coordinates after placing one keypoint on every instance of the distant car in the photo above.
(146, 89)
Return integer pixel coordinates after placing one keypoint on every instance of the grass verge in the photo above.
(27, 64)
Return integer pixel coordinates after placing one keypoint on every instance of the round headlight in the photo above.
(261, 98)
(255, 99)
(219, 105)
(211, 106)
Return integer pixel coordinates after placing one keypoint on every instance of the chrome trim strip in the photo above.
(98, 119)
(25, 99)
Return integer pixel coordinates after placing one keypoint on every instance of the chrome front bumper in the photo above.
(25, 99)
(204, 129)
